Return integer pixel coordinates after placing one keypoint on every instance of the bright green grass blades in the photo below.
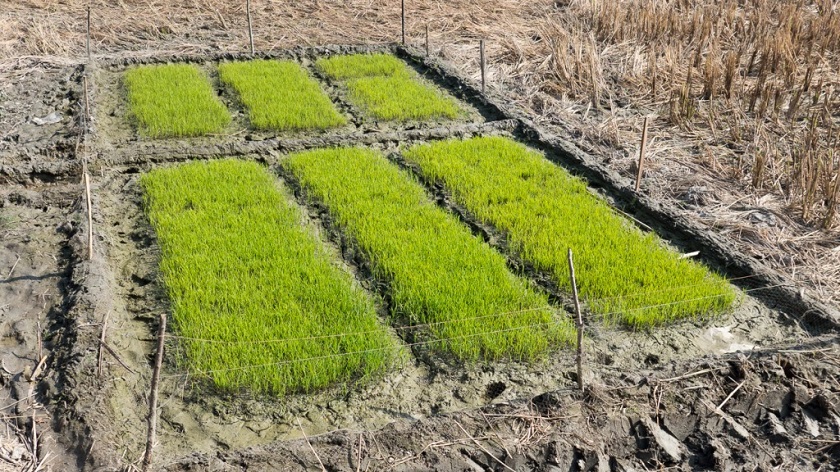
(280, 95)
(400, 98)
(623, 273)
(437, 271)
(384, 87)
(241, 270)
(174, 100)
(360, 65)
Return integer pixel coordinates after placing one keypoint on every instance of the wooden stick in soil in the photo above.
(87, 103)
(101, 344)
(483, 64)
(427, 40)
(578, 323)
(34, 438)
(153, 396)
(403, 21)
(87, 43)
(642, 154)
(250, 27)
(89, 216)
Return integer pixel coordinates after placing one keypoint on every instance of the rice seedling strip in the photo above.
(360, 65)
(174, 100)
(437, 272)
(240, 269)
(384, 87)
(280, 95)
(623, 273)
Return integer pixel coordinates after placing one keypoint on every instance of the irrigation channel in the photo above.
(103, 333)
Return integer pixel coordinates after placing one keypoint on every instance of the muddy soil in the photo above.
(34, 228)
(40, 104)
(769, 410)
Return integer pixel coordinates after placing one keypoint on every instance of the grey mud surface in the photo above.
(754, 389)
(34, 229)
(39, 128)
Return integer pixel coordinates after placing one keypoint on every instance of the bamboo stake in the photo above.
(250, 28)
(153, 396)
(403, 22)
(87, 103)
(483, 64)
(427, 40)
(89, 215)
(578, 323)
(642, 155)
(87, 43)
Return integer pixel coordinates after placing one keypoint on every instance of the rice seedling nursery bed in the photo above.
(287, 95)
(249, 287)
(174, 100)
(624, 274)
(315, 288)
(280, 95)
(437, 272)
(384, 87)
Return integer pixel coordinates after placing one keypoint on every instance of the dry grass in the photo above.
(743, 95)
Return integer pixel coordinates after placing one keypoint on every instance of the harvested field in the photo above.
(740, 169)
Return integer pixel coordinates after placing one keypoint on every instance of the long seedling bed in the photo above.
(255, 297)
(384, 87)
(623, 273)
(437, 272)
(174, 100)
(280, 95)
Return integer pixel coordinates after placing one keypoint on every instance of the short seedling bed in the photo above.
(174, 100)
(256, 300)
(384, 87)
(280, 95)
(438, 272)
(624, 274)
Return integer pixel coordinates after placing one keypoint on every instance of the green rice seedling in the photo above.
(256, 297)
(623, 273)
(436, 270)
(280, 95)
(400, 98)
(174, 100)
(384, 87)
(360, 65)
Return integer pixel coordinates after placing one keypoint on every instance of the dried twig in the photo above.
(731, 394)
(324, 469)
(687, 376)
(9, 275)
(483, 448)
(101, 344)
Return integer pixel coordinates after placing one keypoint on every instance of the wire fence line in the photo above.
(598, 317)
(353, 353)
(409, 345)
